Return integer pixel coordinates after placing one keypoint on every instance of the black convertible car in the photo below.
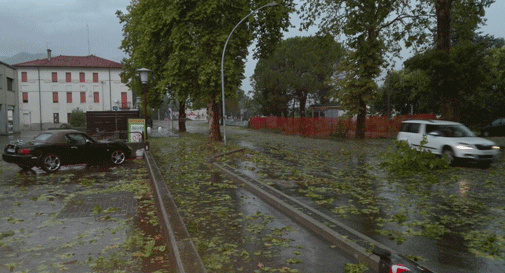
(54, 148)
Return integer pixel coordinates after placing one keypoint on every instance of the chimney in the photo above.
(49, 54)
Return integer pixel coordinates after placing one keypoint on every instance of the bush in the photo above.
(65, 126)
(407, 160)
(341, 130)
(77, 118)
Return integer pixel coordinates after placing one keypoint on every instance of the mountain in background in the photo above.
(23, 57)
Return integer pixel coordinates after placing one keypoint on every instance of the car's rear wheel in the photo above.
(118, 157)
(50, 163)
(449, 154)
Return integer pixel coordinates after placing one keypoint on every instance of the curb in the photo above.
(183, 255)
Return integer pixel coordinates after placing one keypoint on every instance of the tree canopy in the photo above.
(182, 43)
(372, 29)
(299, 69)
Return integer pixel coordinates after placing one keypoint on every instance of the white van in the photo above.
(448, 138)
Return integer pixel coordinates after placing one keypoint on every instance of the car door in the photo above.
(434, 139)
(415, 135)
(95, 152)
(77, 151)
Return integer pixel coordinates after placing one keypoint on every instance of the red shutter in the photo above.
(25, 97)
(24, 76)
(83, 97)
(69, 97)
(95, 77)
(82, 77)
(55, 76)
(96, 97)
(55, 97)
(69, 77)
(124, 100)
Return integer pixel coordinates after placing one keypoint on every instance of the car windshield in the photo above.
(42, 137)
(455, 131)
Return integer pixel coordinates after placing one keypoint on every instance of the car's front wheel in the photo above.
(118, 157)
(50, 163)
(449, 154)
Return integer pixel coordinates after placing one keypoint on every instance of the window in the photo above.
(96, 97)
(69, 117)
(69, 97)
(56, 117)
(68, 77)
(82, 78)
(431, 128)
(25, 97)
(55, 76)
(24, 76)
(95, 77)
(55, 97)
(83, 97)
(410, 127)
(10, 84)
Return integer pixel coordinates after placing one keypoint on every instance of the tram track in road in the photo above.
(337, 233)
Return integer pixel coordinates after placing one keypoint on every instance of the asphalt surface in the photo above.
(76, 220)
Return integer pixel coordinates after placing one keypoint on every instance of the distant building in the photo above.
(332, 110)
(9, 106)
(51, 88)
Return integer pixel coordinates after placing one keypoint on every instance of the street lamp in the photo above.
(222, 61)
(144, 78)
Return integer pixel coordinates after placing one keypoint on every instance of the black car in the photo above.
(496, 128)
(54, 148)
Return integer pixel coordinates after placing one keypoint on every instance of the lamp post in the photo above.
(144, 78)
(222, 61)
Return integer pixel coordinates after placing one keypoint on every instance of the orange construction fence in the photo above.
(376, 126)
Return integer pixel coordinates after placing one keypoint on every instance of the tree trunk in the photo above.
(361, 119)
(182, 116)
(449, 95)
(214, 132)
(303, 101)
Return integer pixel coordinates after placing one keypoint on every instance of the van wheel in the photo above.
(448, 153)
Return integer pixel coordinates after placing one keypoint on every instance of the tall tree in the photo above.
(183, 41)
(373, 28)
(465, 17)
(456, 24)
(300, 68)
(405, 91)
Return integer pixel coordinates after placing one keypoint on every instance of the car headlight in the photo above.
(494, 147)
(462, 146)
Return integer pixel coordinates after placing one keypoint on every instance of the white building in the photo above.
(9, 108)
(51, 88)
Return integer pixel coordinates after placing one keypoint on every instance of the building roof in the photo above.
(8, 65)
(71, 61)
(335, 105)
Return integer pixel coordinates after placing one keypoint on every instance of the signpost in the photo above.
(135, 129)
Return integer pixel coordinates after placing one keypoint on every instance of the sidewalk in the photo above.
(77, 220)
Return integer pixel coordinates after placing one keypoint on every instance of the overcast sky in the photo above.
(33, 26)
